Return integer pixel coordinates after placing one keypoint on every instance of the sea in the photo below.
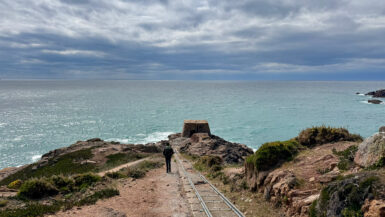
(37, 116)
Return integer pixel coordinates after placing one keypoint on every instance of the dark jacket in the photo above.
(168, 152)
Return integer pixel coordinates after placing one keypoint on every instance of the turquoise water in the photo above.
(38, 116)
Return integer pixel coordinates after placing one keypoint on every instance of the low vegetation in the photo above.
(3, 203)
(36, 189)
(32, 209)
(114, 160)
(85, 180)
(105, 193)
(209, 163)
(344, 197)
(272, 154)
(67, 164)
(15, 184)
(346, 157)
(141, 169)
(314, 136)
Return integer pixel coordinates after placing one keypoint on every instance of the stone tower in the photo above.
(195, 126)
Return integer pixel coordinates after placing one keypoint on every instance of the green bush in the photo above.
(210, 163)
(348, 192)
(15, 184)
(36, 189)
(86, 179)
(66, 165)
(64, 184)
(32, 209)
(3, 203)
(314, 136)
(346, 157)
(272, 154)
(115, 175)
(135, 173)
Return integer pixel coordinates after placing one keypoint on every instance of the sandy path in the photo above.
(158, 194)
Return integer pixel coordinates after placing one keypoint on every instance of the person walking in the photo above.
(168, 152)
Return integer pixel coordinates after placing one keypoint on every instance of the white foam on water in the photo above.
(152, 137)
(155, 137)
(361, 94)
(3, 124)
(36, 157)
(366, 102)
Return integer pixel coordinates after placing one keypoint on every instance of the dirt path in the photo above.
(158, 194)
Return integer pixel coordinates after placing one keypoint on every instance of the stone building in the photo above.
(195, 126)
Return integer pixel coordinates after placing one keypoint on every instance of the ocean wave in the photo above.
(366, 102)
(3, 124)
(36, 157)
(361, 94)
(143, 138)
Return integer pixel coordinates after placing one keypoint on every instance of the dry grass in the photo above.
(250, 203)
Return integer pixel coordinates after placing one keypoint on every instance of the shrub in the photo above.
(272, 154)
(3, 203)
(321, 135)
(36, 189)
(210, 163)
(65, 165)
(135, 173)
(86, 179)
(15, 184)
(31, 209)
(116, 175)
(64, 184)
(346, 157)
(105, 193)
(348, 194)
(149, 165)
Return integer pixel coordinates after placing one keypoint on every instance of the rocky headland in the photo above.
(323, 171)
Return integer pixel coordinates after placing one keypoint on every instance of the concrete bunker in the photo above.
(195, 126)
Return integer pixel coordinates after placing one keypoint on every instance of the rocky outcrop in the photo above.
(374, 208)
(201, 144)
(378, 93)
(374, 101)
(371, 150)
(347, 196)
(296, 184)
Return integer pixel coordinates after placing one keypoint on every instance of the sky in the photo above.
(193, 39)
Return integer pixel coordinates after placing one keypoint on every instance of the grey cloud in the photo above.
(162, 39)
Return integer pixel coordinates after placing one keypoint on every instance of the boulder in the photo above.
(371, 150)
(382, 129)
(374, 101)
(202, 144)
(374, 208)
(378, 93)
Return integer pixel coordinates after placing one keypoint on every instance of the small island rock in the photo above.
(378, 93)
(374, 101)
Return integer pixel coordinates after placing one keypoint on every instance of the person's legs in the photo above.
(169, 165)
(166, 165)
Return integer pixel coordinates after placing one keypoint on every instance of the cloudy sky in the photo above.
(193, 39)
